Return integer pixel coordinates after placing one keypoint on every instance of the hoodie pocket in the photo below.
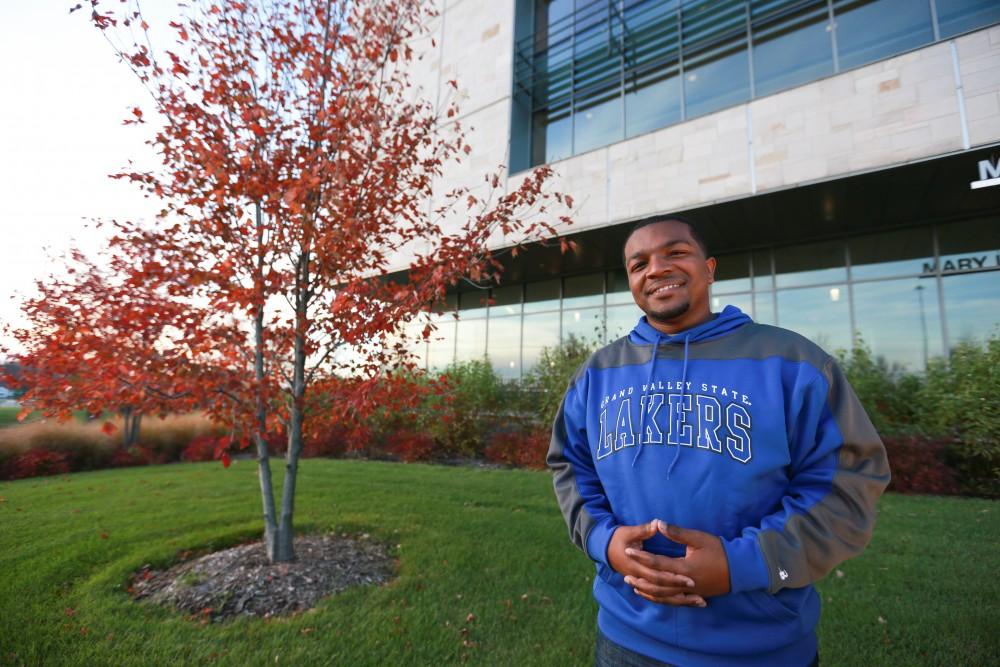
(772, 606)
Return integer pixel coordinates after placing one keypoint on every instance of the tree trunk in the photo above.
(130, 427)
(263, 460)
(286, 531)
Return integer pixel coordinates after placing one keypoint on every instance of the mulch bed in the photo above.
(241, 582)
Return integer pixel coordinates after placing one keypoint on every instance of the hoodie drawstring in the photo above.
(642, 408)
(684, 392)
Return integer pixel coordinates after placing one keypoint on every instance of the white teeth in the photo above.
(665, 288)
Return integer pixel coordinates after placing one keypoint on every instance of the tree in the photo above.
(99, 340)
(296, 157)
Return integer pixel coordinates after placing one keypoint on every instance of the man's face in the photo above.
(669, 276)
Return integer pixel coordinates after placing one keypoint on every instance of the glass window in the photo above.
(732, 273)
(790, 46)
(471, 340)
(763, 308)
(820, 314)
(585, 324)
(716, 67)
(972, 306)
(473, 304)
(441, 346)
(417, 345)
(506, 300)
(742, 301)
(810, 264)
(715, 80)
(869, 30)
(542, 295)
(899, 253)
(899, 320)
(762, 278)
(621, 320)
(618, 290)
(552, 138)
(958, 16)
(969, 245)
(505, 346)
(598, 122)
(540, 331)
(580, 291)
(652, 100)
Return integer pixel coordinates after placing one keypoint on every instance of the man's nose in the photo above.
(660, 264)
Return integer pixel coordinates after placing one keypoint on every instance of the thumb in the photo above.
(692, 538)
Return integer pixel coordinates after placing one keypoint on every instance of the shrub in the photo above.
(960, 402)
(919, 465)
(546, 383)
(410, 446)
(519, 448)
(885, 391)
(37, 463)
(473, 402)
(201, 448)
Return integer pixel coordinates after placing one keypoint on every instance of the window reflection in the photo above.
(972, 305)
(543, 295)
(821, 314)
(505, 346)
(732, 273)
(742, 301)
(715, 80)
(540, 331)
(958, 16)
(441, 346)
(899, 320)
(789, 49)
(899, 253)
(763, 308)
(621, 320)
(652, 101)
(471, 340)
(810, 264)
(586, 324)
(875, 29)
(585, 290)
(618, 290)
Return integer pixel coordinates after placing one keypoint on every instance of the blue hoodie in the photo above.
(741, 430)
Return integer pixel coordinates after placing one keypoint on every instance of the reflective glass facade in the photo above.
(909, 294)
(594, 72)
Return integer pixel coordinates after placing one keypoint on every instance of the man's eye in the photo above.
(637, 266)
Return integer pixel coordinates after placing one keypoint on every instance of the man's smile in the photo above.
(664, 288)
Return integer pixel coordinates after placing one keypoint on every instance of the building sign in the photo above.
(966, 264)
(989, 174)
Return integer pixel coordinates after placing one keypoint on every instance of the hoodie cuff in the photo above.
(598, 540)
(747, 567)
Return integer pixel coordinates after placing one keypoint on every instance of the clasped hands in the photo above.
(701, 573)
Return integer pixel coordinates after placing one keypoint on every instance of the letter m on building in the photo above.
(988, 170)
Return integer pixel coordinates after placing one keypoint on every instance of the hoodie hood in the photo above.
(730, 319)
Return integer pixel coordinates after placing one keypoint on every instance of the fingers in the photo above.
(693, 538)
(660, 569)
(664, 594)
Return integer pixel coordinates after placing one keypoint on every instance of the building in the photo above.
(842, 156)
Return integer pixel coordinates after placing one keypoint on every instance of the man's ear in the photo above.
(710, 263)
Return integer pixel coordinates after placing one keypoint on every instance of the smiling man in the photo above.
(713, 469)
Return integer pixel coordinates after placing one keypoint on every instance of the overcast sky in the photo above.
(64, 96)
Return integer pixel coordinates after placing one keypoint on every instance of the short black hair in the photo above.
(657, 219)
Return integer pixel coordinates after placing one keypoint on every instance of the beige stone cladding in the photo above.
(979, 59)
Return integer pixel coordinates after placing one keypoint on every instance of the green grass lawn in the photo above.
(8, 415)
(480, 542)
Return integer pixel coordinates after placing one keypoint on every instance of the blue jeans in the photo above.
(610, 654)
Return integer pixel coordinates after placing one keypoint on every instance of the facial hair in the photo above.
(666, 315)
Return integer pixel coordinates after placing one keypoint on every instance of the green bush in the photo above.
(961, 400)
(543, 387)
(475, 401)
(886, 391)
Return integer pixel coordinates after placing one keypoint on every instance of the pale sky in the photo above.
(64, 96)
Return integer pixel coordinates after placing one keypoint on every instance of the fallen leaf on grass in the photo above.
(840, 573)
(882, 620)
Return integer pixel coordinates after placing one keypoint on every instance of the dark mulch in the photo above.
(240, 581)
